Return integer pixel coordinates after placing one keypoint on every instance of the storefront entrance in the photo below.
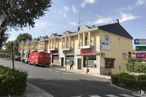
(79, 63)
(62, 62)
(55, 59)
(69, 59)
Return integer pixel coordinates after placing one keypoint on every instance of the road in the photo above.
(65, 84)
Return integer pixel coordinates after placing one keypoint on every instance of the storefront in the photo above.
(69, 56)
(88, 58)
(55, 57)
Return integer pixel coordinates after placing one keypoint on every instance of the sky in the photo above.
(65, 15)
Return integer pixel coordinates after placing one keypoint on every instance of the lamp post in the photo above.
(13, 56)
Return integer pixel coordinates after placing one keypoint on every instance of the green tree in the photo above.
(8, 47)
(21, 37)
(3, 38)
(20, 13)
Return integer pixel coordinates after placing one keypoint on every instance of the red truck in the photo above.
(39, 58)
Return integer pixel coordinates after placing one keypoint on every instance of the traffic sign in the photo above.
(140, 55)
(139, 41)
(140, 48)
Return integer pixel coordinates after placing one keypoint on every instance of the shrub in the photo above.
(129, 81)
(12, 82)
(136, 66)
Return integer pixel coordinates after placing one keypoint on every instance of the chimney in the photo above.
(78, 28)
(117, 20)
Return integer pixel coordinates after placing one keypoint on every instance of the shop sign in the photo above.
(105, 43)
(68, 52)
(85, 51)
(140, 48)
(139, 41)
(141, 55)
(54, 51)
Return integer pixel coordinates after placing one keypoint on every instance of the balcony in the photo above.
(86, 47)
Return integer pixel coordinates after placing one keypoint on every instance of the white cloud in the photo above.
(126, 17)
(66, 8)
(85, 2)
(63, 13)
(103, 20)
(140, 2)
(74, 9)
(125, 9)
(43, 24)
(73, 23)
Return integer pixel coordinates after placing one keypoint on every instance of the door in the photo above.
(62, 62)
(79, 63)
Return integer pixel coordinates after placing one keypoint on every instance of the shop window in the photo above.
(109, 62)
(89, 61)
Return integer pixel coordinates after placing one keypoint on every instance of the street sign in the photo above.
(140, 55)
(140, 48)
(139, 41)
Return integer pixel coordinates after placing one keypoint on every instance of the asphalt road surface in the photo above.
(65, 84)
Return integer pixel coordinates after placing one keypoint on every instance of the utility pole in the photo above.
(13, 56)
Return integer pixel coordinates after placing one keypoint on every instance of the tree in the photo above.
(3, 38)
(20, 38)
(23, 37)
(8, 46)
(21, 13)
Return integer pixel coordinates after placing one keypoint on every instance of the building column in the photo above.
(65, 42)
(54, 43)
(83, 39)
(51, 43)
(89, 38)
(69, 42)
(98, 64)
(78, 40)
(61, 42)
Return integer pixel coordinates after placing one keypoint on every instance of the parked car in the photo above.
(17, 58)
(39, 58)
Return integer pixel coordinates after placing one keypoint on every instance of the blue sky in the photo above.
(64, 15)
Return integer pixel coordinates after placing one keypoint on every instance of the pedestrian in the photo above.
(71, 65)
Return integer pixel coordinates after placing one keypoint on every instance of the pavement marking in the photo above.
(125, 95)
(111, 95)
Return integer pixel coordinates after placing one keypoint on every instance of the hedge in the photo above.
(12, 82)
(132, 82)
(136, 66)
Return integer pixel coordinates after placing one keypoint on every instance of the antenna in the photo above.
(79, 20)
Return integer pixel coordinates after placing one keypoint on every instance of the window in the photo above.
(89, 61)
(86, 40)
(109, 62)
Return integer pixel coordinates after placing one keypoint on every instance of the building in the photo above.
(42, 45)
(96, 50)
(21, 48)
(27, 46)
(67, 48)
(34, 45)
(53, 48)
(100, 50)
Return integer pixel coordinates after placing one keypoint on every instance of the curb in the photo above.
(120, 88)
(127, 90)
(34, 91)
(99, 76)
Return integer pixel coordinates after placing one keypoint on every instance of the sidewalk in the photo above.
(33, 91)
(79, 72)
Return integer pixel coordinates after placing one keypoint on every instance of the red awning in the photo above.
(89, 54)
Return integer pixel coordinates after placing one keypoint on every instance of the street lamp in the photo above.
(13, 56)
